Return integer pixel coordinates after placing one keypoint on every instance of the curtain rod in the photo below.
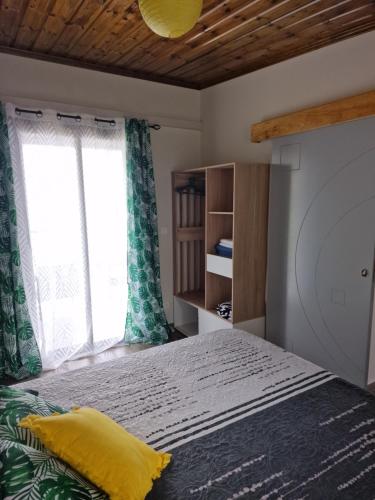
(77, 118)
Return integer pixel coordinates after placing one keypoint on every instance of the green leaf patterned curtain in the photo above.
(145, 321)
(19, 353)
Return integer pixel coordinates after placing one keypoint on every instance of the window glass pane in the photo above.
(105, 201)
(55, 222)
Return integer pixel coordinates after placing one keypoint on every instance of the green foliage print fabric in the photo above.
(27, 468)
(19, 353)
(145, 320)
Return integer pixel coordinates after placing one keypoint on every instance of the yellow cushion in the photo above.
(100, 450)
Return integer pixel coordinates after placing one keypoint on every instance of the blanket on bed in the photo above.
(242, 418)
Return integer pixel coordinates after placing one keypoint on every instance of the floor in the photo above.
(113, 353)
(110, 354)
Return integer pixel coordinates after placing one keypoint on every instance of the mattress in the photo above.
(241, 417)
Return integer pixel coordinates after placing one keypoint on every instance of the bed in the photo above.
(241, 417)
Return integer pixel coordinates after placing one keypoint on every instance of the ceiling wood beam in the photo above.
(325, 115)
(258, 14)
(309, 44)
(84, 18)
(131, 42)
(309, 36)
(288, 29)
(136, 45)
(11, 14)
(34, 17)
(61, 15)
(116, 17)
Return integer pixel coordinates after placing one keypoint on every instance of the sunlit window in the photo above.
(76, 204)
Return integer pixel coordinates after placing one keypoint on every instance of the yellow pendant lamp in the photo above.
(170, 18)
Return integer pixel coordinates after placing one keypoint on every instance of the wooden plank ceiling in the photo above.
(232, 37)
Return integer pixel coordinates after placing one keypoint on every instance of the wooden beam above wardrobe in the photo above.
(332, 113)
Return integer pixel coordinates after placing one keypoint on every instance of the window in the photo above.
(74, 184)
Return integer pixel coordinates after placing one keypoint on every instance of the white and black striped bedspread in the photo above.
(242, 418)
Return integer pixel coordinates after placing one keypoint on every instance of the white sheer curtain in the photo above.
(70, 184)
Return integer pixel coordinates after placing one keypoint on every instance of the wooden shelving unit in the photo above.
(210, 203)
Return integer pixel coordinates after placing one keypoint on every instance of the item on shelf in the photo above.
(224, 310)
(191, 188)
(223, 251)
(226, 243)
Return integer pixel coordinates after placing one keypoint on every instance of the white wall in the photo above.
(176, 145)
(228, 109)
(40, 80)
(172, 149)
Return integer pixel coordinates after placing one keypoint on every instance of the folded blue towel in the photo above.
(223, 251)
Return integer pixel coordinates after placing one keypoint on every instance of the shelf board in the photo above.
(189, 329)
(195, 298)
(214, 312)
(220, 213)
(221, 256)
